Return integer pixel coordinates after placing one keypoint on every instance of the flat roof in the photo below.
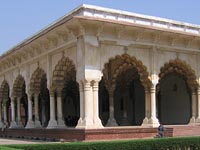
(116, 15)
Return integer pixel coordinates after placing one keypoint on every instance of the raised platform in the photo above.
(185, 130)
(71, 134)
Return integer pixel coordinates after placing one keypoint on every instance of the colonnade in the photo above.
(89, 109)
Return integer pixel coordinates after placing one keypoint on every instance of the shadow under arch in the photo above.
(64, 84)
(176, 84)
(126, 78)
(19, 94)
(38, 85)
(5, 102)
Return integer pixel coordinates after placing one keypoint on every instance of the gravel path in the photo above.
(16, 141)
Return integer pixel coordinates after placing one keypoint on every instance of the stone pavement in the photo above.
(4, 141)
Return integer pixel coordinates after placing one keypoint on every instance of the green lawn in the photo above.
(150, 144)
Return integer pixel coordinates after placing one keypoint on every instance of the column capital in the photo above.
(36, 94)
(146, 90)
(59, 93)
(18, 98)
(198, 90)
(95, 84)
(152, 89)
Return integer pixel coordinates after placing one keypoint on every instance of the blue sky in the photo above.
(22, 18)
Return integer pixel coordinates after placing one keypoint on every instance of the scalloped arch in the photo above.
(36, 78)
(4, 91)
(121, 64)
(182, 68)
(18, 86)
(65, 70)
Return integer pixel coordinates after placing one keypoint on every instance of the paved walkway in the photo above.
(16, 141)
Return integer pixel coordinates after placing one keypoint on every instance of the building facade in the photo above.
(98, 67)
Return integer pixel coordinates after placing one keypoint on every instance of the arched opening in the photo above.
(19, 93)
(5, 103)
(177, 81)
(39, 85)
(44, 102)
(65, 85)
(124, 79)
(103, 102)
(71, 104)
(129, 98)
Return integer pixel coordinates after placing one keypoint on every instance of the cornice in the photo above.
(69, 27)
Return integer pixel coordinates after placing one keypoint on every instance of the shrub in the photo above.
(151, 144)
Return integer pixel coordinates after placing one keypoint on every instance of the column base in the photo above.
(30, 124)
(98, 123)
(13, 125)
(197, 120)
(145, 122)
(80, 122)
(111, 122)
(20, 125)
(52, 124)
(192, 120)
(1, 124)
(153, 122)
(61, 123)
(86, 124)
(37, 124)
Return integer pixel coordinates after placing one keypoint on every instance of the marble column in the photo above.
(111, 120)
(192, 119)
(60, 120)
(30, 123)
(13, 119)
(96, 119)
(5, 114)
(36, 102)
(153, 121)
(19, 122)
(82, 109)
(198, 106)
(52, 121)
(1, 123)
(87, 120)
(124, 120)
(147, 109)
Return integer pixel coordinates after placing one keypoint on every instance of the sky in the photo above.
(20, 19)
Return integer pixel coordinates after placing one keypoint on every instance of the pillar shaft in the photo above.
(18, 110)
(19, 123)
(147, 109)
(12, 111)
(153, 119)
(30, 109)
(60, 112)
(88, 104)
(5, 114)
(198, 106)
(193, 117)
(97, 121)
(36, 102)
(1, 123)
(111, 120)
(87, 107)
(0, 112)
(52, 107)
(52, 121)
(13, 115)
(36, 107)
(30, 123)
(82, 108)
